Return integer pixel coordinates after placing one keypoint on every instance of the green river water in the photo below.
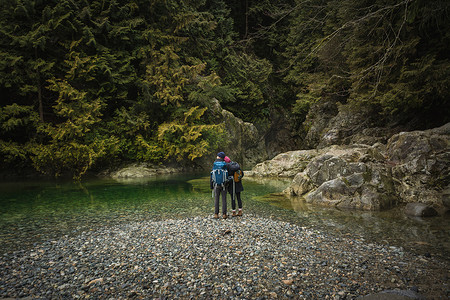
(36, 211)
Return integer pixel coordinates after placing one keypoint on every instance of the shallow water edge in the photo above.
(37, 211)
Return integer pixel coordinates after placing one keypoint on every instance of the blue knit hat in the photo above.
(221, 155)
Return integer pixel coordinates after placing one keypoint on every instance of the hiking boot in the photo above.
(216, 216)
(224, 216)
(233, 214)
(239, 213)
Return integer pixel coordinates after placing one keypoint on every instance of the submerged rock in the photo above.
(140, 170)
(420, 210)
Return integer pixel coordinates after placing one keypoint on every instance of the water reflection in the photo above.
(34, 211)
(421, 235)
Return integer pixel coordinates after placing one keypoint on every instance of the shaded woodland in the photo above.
(87, 84)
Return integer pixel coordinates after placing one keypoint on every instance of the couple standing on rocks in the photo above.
(226, 176)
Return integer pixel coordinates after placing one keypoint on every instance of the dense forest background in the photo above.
(86, 84)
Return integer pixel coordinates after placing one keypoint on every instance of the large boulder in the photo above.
(412, 167)
(420, 163)
(346, 177)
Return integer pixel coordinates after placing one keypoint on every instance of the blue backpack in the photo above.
(219, 173)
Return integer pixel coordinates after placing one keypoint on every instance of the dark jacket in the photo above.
(238, 187)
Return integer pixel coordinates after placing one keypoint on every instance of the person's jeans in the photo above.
(233, 201)
(217, 191)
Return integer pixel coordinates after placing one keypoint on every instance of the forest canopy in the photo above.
(87, 83)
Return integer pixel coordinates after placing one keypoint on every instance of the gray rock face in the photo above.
(347, 178)
(317, 121)
(245, 144)
(330, 123)
(421, 162)
(412, 167)
(285, 164)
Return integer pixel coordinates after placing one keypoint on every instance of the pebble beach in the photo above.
(247, 257)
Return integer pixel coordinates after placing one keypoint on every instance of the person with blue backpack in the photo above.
(218, 182)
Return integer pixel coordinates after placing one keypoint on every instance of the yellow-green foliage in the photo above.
(168, 77)
(58, 158)
(148, 150)
(71, 147)
(14, 116)
(11, 151)
(186, 139)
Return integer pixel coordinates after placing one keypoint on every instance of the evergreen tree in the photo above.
(369, 53)
(29, 33)
(82, 81)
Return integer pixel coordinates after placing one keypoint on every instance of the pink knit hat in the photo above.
(227, 159)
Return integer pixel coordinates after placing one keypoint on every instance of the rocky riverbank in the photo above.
(411, 167)
(203, 258)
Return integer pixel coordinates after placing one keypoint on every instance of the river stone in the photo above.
(420, 210)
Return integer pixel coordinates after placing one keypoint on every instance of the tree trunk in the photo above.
(41, 108)
(246, 19)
